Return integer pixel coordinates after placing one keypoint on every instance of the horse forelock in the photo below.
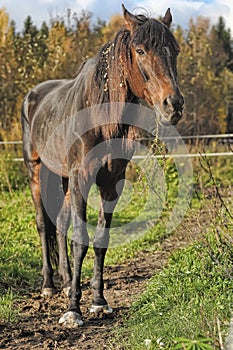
(155, 35)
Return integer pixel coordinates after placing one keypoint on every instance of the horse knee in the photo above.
(101, 239)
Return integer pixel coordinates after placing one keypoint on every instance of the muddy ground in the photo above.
(38, 326)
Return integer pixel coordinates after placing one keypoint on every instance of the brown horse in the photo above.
(139, 64)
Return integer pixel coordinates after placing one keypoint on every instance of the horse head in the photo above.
(152, 76)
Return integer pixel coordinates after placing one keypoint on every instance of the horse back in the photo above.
(54, 100)
(47, 107)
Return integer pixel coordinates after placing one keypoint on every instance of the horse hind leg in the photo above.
(45, 228)
(57, 200)
(48, 287)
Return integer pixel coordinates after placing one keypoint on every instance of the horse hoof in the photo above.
(71, 319)
(66, 290)
(98, 308)
(48, 292)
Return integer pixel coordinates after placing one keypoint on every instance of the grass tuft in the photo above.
(8, 312)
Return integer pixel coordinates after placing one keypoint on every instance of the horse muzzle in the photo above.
(175, 117)
(171, 110)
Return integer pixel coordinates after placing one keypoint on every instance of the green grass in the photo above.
(20, 253)
(184, 305)
(185, 300)
(13, 174)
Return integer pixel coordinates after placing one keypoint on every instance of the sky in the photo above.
(182, 10)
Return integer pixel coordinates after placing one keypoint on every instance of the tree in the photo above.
(22, 57)
(109, 30)
(222, 35)
(8, 73)
(203, 81)
(56, 51)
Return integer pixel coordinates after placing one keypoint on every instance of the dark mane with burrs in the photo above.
(109, 75)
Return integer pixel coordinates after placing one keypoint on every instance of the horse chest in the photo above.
(110, 170)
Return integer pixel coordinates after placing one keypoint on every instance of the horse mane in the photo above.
(111, 61)
(110, 81)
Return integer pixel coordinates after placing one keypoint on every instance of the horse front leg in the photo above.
(109, 198)
(62, 225)
(80, 242)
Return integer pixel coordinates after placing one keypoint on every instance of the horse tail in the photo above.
(25, 124)
(53, 247)
(29, 103)
(24, 111)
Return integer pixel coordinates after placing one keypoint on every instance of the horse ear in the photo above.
(130, 19)
(167, 19)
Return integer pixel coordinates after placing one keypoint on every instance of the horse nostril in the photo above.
(172, 103)
(167, 103)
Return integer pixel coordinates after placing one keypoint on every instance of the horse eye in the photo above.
(140, 52)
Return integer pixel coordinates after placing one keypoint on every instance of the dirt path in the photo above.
(38, 326)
